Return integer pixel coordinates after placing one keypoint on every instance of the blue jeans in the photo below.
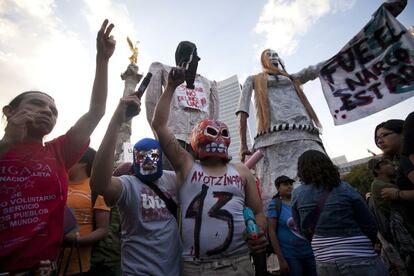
(302, 266)
(231, 266)
(353, 267)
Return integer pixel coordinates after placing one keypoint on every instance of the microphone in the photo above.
(144, 85)
(131, 110)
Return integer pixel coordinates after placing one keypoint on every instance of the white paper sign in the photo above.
(192, 98)
(375, 70)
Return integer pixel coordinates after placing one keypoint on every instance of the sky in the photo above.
(49, 45)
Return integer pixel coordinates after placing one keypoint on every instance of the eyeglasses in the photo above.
(382, 136)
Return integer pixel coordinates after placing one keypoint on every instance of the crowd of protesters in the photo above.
(64, 210)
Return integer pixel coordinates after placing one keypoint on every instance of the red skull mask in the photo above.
(211, 138)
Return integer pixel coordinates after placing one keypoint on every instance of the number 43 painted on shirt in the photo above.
(195, 211)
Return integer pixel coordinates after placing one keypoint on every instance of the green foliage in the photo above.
(360, 177)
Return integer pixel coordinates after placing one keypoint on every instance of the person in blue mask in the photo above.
(150, 238)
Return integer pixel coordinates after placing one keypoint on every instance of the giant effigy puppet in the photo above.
(287, 125)
(193, 101)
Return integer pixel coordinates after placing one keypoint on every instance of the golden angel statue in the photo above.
(134, 50)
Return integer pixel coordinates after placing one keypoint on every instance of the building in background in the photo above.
(345, 167)
(229, 91)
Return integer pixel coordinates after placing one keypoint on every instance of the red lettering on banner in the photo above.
(190, 93)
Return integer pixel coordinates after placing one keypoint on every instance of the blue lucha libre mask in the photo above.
(147, 160)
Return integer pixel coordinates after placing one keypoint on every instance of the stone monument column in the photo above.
(131, 78)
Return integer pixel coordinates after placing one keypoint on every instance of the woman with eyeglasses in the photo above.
(389, 137)
(396, 140)
(403, 195)
(405, 176)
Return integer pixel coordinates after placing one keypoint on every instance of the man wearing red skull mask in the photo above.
(211, 138)
(212, 193)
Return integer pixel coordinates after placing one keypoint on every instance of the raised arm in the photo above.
(242, 114)
(105, 45)
(102, 181)
(244, 149)
(179, 158)
(309, 73)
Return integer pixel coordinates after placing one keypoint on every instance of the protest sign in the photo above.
(375, 70)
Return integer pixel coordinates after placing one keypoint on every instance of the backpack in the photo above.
(396, 241)
(278, 208)
(402, 238)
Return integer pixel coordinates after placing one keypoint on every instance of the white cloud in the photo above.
(283, 22)
(95, 12)
(39, 51)
(341, 6)
(41, 9)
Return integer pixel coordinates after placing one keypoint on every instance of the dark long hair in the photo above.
(88, 158)
(315, 168)
(408, 134)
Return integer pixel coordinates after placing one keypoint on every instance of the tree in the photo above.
(360, 177)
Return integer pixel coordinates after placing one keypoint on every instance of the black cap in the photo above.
(283, 178)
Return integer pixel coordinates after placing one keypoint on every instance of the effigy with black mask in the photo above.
(195, 100)
(186, 57)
